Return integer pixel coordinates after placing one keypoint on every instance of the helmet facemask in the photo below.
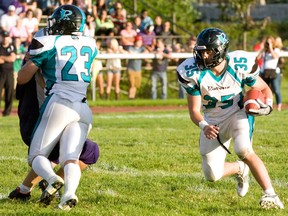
(214, 40)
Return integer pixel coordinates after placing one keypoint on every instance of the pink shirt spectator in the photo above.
(16, 32)
(19, 31)
(127, 36)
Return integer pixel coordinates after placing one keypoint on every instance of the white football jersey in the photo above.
(221, 96)
(65, 62)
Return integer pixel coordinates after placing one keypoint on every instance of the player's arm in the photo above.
(9, 58)
(26, 72)
(194, 106)
(266, 107)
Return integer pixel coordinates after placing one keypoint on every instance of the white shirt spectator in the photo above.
(8, 20)
(30, 23)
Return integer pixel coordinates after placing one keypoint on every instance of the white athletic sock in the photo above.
(270, 191)
(42, 166)
(24, 189)
(72, 175)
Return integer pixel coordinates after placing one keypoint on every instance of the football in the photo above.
(250, 97)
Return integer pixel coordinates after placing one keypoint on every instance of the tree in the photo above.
(184, 11)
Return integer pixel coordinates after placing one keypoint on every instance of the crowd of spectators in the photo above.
(106, 20)
(114, 30)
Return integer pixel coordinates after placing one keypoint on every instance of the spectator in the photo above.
(159, 69)
(127, 36)
(7, 57)
(104, 24)
(84, 5)
(117, 6)
(20, 7)
(98, 7)
(118, 18)
(48, 6)
(66, 2)
(158, 27)
(4, 6)
(19, 31)
(134, 67)
(31, 24)
(258, 47)
(189, 46)
(145, 20)
(137, 23)
(271, 54)
(90, 26)
(97, 71)
(277, 86)
(113, 69)
(8, 20)
(177, 49)
(149, 38)
(167, 35)
(20, 53)
(33, 5)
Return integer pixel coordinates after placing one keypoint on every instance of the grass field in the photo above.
(150, 165)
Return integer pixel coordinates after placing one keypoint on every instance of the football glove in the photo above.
(263, 110)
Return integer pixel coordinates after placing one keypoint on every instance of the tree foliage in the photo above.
(183, 11)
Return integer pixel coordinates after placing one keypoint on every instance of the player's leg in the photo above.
(138, 80)
(72, 141)
(71, 151)
(44, 140)
(241, 132)
(109, 83)
(117, 77)
(214, 155)
(132, 88)
(154, 80)
(100, 83)
(213, 159)
(164, 83)
(89, 155)
(23, 191)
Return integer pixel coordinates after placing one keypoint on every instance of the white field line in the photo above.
(114, 170)
(136, 116)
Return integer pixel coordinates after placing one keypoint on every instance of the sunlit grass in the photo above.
(150, 165)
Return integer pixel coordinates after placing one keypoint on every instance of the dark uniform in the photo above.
(7, 76)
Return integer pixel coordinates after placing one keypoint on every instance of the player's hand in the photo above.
(211, 131)
(263, 110)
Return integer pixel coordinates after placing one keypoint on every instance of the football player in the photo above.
(214, 81)
(65, 58)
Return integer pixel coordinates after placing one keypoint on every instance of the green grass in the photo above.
(150, 165)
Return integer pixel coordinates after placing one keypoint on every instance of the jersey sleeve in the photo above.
(187, 73)
(40, 49)
(245, 66)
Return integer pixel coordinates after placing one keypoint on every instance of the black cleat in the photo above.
(49, 193)
(16, 194)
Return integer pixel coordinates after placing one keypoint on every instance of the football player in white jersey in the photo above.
(214, 81)
(65, 58)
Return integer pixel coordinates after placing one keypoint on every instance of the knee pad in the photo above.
(243, 152)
